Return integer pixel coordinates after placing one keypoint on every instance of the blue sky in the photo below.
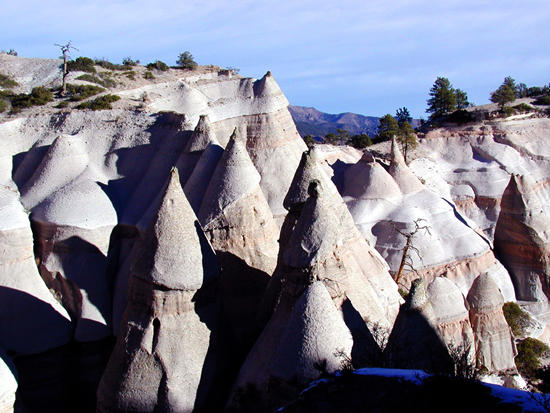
(363, 56)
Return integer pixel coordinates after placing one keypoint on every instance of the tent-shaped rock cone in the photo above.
(400, 171)
(452, 318)
(200, 139)
(314, 333)
(166, 357)
(522, 241)
(238, 222)
(494, 344)
(415, 342)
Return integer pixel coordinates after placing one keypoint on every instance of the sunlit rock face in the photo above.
(521, 237)
(452, 316)
(495, 349)
(171, 311)
(238, 222)
(389, 204)
(317, 248)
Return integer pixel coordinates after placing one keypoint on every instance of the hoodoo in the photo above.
(238, 222)
(495, 349)
(165, 356)
(521, 238)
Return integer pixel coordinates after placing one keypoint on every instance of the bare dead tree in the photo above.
(406, 259)
(65, 49)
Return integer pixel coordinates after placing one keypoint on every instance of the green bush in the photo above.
(82, 64)
(7, 82)
(523, 107)
(62, 104)
(80, 92)
(148, 75)
(158, 65)
(530, 351)
(130, 74)
(128, 62)
(38, 97)
(106, 81)
(360, 141)
(460, 117)
(517, 319)
(186, 61)
(104, 63)
(507, 111)
(545, 100)
(99, 103)
(3, 105)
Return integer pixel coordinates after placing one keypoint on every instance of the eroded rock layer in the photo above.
(171, 311)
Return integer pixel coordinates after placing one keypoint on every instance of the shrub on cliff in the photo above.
(158, 65)
(530, 352)
(360, 141)
(545, 100)
(100, 103)
(80, 92)
(82, 64)
(186, 61)
(38, 97)
(517, 319)
(7, 82)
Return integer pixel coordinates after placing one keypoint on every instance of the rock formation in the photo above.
(8, 384)
(415, 341)
(451, 315)
(521, 238)
(387, 204)
(314, 333)
(317, 250)
(238, 222)
(165, 356)
(495, 348)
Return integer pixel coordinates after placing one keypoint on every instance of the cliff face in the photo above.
(114, 222)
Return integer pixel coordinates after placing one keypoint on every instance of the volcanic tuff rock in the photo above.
(521, 237)
(495, 349)
(314, 333)
(171, 312)
(319, 248)
(451, 315)
(390, 203)
(238, 222)
(108, 217)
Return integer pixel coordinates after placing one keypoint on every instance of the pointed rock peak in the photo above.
(266, 86)
(418, 296)
(308, 170)
(234, 177)
(519, 196)
(400, 171)
(446, 299)
(315, 331)
(201, 137)
(484, 294)
(175, 254)
(317, 232)
(396, 155)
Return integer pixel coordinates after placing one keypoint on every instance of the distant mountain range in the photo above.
(310, 121)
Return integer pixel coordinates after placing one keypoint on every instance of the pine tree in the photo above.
(443, 98)
(407, 139)
(505, 93)
(387, 129)
(402, 115)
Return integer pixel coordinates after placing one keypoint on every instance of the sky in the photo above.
(363, 56)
